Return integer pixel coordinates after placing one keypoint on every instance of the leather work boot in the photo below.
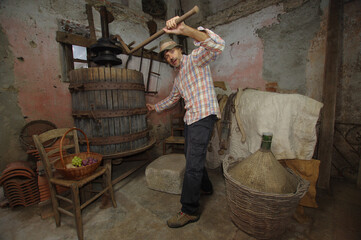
(182, 219)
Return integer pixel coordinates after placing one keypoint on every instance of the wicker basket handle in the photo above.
(61, 143)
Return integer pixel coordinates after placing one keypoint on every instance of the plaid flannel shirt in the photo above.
(194, 83)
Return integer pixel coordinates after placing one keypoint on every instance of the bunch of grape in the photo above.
(76, 161)
(88, 161)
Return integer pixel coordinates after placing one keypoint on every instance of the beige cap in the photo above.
(167, 44)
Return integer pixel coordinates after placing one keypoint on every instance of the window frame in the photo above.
(66, 41)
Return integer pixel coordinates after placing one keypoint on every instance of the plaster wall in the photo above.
(11, 119)
(33, 80)
(275, 47)
(348, 109)
(240, 64)
(30, 27)
(216, 6)
(286, 47)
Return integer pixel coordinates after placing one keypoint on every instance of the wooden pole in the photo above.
(188, 14)
(331, 75)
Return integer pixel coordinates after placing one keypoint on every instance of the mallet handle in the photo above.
(188, 14)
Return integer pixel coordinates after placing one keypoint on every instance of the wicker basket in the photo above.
(78, 172)
(261, 215)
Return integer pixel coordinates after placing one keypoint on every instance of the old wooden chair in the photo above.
(176, 139)
(102, 172)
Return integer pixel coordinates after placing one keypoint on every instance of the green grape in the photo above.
(76, 161)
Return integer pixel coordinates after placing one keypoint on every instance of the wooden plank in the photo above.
(69, 58)
(73, 79)
(92, 104)
(329, 94)
(89, 13)
(114, 77)
(120, 78)
(87, 103)
(103, 106)
(132, 170)
(97, 128)
(145, 126)
(128, 153)
(83, 105)
(346, 150)
(74, 39)
(140, 104)
(127, 122)
(77, 105)
(133, 95)
(109, 102)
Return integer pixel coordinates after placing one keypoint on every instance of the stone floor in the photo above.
(142, 214)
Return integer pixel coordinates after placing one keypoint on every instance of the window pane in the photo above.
(80, 65)
(79, 52)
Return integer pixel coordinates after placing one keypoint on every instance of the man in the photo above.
(194, 84)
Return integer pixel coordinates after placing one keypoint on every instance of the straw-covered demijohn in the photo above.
(262, 172)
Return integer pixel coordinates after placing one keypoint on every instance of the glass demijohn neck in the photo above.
(266, 141)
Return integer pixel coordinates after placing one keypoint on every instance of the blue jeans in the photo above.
(197, 136)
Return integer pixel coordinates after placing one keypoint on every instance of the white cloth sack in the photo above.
(291, 118)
